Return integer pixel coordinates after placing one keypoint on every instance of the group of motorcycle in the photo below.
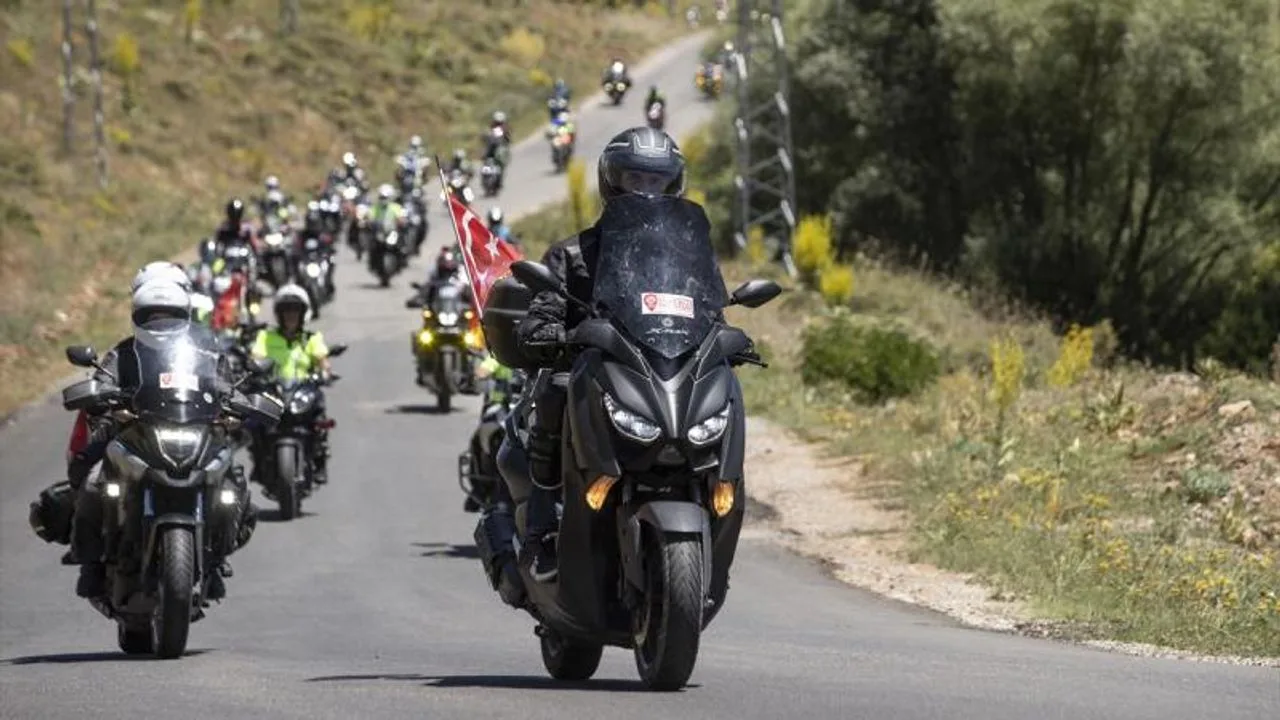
(650, 465)
(175, 500)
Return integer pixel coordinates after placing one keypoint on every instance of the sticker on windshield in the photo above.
(179, 381)
(666, 304)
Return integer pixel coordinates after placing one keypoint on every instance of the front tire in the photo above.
(567, 659)
(171, 619)
(287, 483)
(669, 623)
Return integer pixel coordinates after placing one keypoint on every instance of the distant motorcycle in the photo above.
(616, 89)
(284, 456)
(445, 346)
(490, 177)
(387, 252)
(315, 272)
(456, 185)
(478, 466)
(656, 115)
(277, 251)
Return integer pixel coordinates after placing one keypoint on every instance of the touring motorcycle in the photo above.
(171, 502)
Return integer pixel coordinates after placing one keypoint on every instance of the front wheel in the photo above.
(287, 493)
(569, 660)
(171, 619)
(668, 625)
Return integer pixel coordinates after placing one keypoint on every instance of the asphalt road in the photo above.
(373, 605)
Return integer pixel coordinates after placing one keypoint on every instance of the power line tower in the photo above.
(765, 180)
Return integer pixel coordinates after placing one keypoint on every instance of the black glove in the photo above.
(548, 336)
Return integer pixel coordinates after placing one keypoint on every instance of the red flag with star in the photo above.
(487, 257)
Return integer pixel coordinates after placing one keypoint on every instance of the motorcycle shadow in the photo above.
(509, 682)
(415, 409)
(87, 657)
(272, 515)
(448, 550)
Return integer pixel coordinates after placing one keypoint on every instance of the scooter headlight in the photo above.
(633, 425)
(711, 429)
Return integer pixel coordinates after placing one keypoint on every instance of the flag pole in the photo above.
(457, 234)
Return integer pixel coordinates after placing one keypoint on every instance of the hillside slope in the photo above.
(205, 99)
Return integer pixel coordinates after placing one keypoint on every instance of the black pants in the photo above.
(544, 453)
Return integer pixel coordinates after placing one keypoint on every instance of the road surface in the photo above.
(373, 604)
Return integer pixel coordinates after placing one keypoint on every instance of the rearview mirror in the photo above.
(536, 276)
(413, 303)
(82, 356)
(754, 293)
(337, 349)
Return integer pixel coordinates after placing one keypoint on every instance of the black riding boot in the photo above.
(86, 539)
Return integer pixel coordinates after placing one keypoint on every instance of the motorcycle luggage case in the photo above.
(506, 307)
(50, 516)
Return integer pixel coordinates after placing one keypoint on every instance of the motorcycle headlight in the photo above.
(179, 444)
(447, 319)
(274, 239)
(351, 193)
(711, 429)
(425, 337)
(631, 424)
(313, 270)
(301, 402)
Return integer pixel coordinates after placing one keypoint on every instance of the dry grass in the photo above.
(1118, 501)
(190, 122)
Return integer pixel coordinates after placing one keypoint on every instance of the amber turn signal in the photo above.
(722, 499)
(598, 491)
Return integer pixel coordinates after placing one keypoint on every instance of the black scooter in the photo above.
(652, 454)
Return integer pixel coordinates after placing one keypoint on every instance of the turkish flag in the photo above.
(487, 257)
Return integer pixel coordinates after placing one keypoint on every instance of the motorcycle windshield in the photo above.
(177, 372)
(657, 275)
(448, 306)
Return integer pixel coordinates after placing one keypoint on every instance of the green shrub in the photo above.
(877, 363)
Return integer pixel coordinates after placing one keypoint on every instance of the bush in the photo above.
(836, 285)
(811, 247)
(22, 51)
(523, 47)
(877, 363)
(125, 60)
(581, 201)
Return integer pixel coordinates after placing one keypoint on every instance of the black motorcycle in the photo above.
(478, 465)
(172, 505)
(284, 457)
(656, 115)
(616, 88)
(445, 347)
(315, 271)
(652, 459)
(490, 177)
(417, 224)
(387, 252)
(278, 251)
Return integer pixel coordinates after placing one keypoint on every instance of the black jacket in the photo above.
(573, 261)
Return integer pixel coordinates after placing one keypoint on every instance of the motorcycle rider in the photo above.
(349, 171)
(655, 96)
(233, 230)
(499, 228)
(559, 99)
(386, 209)
(447, 271)
(412, 164)
(460, 163)
(158, 297)
(274, 200)
(617, 71)
(495, 147)
(297, 352)
(639, 160)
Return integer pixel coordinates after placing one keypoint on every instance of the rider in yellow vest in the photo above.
(297, 353)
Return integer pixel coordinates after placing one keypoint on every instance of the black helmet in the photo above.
(634, 157)
(235, 210)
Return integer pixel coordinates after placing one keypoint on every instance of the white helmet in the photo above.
(273, 182)
(499, 116)
(160, 299)
(161, 270)
(292, 294)
(386, 192)
(415, 142)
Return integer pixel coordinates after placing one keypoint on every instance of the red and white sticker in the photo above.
(666, 304)
(179, 381)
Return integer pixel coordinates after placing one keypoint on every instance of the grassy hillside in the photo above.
(204, 98)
